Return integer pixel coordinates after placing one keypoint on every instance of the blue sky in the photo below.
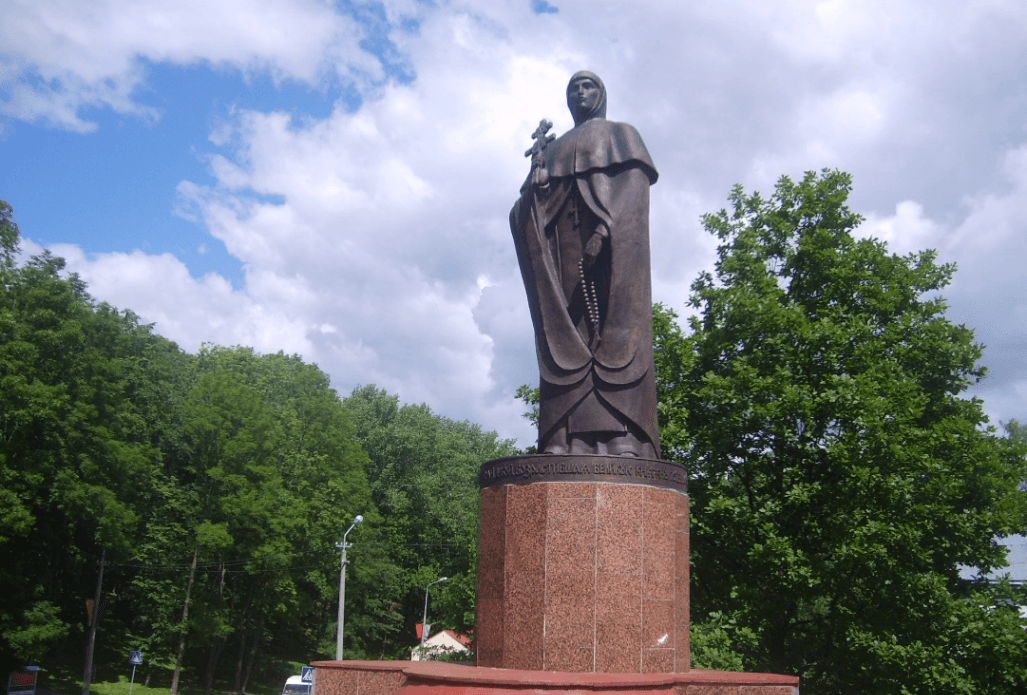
(115, 186)
(333, 179)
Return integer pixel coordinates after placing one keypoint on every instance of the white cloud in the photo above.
(62, 55)
(375, 242)
(989, 293)
(907, 231)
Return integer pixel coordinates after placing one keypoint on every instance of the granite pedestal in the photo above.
(583, 576)
(583, 580)
(439, 678)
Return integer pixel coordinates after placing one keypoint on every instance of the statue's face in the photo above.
(583, 95)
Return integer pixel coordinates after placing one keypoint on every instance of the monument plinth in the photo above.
(585, 573)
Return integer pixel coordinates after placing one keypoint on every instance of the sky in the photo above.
(333, 179)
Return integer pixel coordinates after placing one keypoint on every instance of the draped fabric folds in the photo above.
(593, 328)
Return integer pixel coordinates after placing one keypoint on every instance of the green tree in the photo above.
(272, 474)
(216, 483)
(423, 475)
(79, 443)
(838, 477)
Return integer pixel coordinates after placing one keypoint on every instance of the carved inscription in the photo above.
(520, 470)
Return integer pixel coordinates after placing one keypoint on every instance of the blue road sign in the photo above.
(307, 674)
(135, 658)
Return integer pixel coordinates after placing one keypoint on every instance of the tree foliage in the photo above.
(423, 475)
(80, 431)
(839, 479)
(272, 473)
(218, 484)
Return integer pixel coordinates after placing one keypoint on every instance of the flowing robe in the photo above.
(592, 381)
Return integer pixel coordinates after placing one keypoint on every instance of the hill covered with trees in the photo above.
(214, 487)
(842, 482)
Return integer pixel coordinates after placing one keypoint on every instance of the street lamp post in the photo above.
(342, 586)
(424, 619)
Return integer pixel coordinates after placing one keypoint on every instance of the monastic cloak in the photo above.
(600, 173)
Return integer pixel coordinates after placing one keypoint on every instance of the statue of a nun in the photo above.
(581, 229)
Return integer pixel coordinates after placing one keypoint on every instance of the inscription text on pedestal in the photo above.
(521, 470)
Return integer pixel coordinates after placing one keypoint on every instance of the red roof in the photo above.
(462, 639)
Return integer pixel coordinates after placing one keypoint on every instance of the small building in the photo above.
(440, 644)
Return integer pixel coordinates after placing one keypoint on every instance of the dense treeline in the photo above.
(845, 492)
(215, 486)
(840, 478)
(842, 484)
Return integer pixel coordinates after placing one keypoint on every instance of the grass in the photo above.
(68, 686)
(121, 687)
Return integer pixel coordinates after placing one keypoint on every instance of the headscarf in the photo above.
(600, 109)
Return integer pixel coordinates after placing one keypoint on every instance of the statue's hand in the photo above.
(592, 249)
(540, 177)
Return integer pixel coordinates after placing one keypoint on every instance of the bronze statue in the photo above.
(581, 230)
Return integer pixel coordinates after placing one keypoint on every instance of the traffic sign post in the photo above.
(136, 659)
(23, 681)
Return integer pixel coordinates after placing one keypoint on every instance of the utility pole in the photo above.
(424, 619)
(88, 676)
(342, 587)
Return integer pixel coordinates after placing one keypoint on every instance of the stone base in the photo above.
(583, 577)
(434, 677)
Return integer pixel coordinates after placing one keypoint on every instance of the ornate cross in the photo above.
(540, 138)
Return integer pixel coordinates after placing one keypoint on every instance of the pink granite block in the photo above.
(493, 499)
(633, 496)
(619, 598)
(336, 681)
(571, 515)
(491, 572)
(623, 635)
(619, 553)
(658, 569)
(616, 658)
(379, 682)
(492, 543)
(681, 600)
(488, 629)
(658, 624)
(570, 582)
(682, 622)
(657, 661)
(526, 529)
(708, 689)
(619, 521)
(681, 549)
(681, 578)
(524, 621)
(618, 647)
(493, 513)
(570, 622)
(566, 490)
(683, 647)
(661, 496)
(571, 547)
(659, 518)
(573, 660)
(765, 690)
(490, 582)
(681, 513)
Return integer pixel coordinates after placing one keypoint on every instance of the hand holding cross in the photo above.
(541, 140)
(539, 175)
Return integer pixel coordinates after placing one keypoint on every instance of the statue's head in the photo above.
(586, 97)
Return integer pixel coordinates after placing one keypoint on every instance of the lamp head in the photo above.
(358, 519)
